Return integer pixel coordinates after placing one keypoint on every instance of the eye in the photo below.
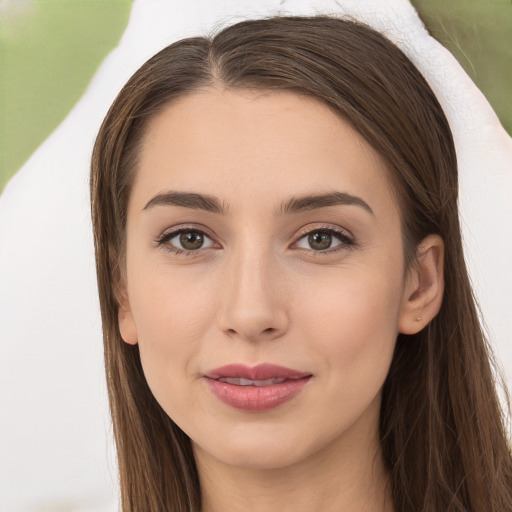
(327, 240)
(185, 240)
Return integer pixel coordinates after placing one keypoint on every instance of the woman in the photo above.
(288, 320)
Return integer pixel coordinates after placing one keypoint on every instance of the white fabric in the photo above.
(55, 435)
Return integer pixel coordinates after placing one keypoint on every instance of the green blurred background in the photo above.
(50, 49)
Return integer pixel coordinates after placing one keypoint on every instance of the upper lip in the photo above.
(259, 372)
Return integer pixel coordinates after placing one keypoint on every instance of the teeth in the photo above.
(239, 381)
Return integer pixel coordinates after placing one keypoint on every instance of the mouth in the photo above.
(260, 373)
(258, 388)
(240, 381)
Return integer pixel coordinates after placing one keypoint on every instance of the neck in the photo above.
(348, 474)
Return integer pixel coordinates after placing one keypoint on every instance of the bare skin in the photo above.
(229, 261)
(319, 482)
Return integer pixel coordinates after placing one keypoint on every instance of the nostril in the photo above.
(253, 323)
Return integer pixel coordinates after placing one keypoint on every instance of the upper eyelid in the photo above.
(325, 227)
(187, 227)
(302, 231)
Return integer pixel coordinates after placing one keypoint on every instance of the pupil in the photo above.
(191, 240)
(320, 241)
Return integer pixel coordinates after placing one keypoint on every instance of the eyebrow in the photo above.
(316, 201)
(293, 205)
(187, 200)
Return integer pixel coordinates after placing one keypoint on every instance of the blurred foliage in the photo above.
(50, 49)
(479, 35)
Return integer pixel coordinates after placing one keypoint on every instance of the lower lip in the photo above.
(257, 398)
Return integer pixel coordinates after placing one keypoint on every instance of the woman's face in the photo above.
(262, 231)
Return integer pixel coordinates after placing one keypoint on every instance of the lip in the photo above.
(260, 372)
(256, 398)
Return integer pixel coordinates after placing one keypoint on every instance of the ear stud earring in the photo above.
(418, 319)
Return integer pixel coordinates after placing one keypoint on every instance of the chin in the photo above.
(261, 449)
(245, 457)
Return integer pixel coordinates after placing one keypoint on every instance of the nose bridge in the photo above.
(253, 305)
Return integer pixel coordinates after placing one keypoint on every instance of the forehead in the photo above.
(248, 147)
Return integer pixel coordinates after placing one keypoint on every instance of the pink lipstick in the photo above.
(258, 388)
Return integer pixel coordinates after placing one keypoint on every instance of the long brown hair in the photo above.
(441, 427)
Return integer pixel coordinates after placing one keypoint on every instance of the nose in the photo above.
(253, 299)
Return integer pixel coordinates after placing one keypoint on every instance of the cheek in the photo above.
(170, 304)
(354, 322)
(172, 313)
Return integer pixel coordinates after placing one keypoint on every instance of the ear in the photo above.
(423, 293)
(127, 326)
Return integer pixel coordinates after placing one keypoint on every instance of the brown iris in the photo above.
(320, 240)
(191, 240)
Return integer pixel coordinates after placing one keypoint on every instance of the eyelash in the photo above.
(347, 242)
(165, 237)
